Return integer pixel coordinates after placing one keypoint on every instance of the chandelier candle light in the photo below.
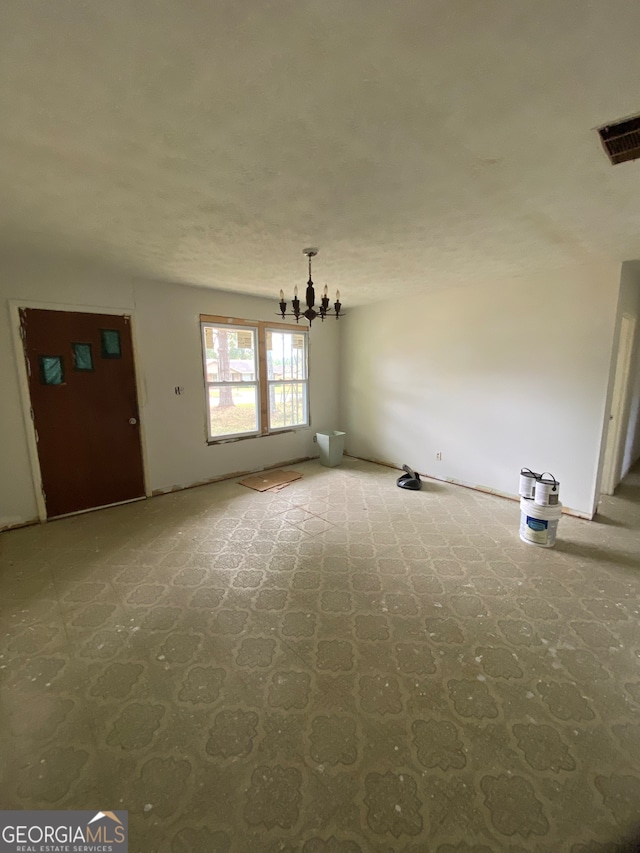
(310, 299)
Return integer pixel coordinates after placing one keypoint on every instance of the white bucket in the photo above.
(539, 524)
(547, 490)
(527, 483)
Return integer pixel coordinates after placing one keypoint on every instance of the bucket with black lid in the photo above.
(547, 490)
(528, 480)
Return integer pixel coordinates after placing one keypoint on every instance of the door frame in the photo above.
(25, 397)
(618, 414)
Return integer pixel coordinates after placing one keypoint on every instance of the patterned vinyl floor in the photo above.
(341, 667)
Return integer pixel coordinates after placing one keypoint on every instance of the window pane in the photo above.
(287, 404)
(232, 410)
(286, 355)
(230, 354)
(82, 356)
(51, 370)
(110, 340)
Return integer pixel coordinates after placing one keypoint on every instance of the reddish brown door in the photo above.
(85, 408)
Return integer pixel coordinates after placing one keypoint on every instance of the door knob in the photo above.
(132, 421)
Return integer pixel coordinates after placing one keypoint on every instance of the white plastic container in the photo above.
(539, 524)
(331, 447)
(547, 490)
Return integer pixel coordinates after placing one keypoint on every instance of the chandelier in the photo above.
(310, 299)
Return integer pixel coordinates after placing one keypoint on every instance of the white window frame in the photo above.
(233, 384)
(305, 381)
(262, 382)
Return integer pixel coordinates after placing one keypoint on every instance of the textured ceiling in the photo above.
(419, 144)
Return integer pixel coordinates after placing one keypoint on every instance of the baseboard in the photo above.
(157, 492)
(566, 510)
(18, 524)
(232, 476)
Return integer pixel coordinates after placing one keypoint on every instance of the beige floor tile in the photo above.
(339, 667)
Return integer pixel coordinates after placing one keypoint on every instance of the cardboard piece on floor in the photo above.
(270, 479)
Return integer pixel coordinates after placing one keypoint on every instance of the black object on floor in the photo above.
(410, 480)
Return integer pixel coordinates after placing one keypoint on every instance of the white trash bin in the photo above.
(331, 446)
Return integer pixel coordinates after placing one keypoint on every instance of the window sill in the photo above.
(213, 442)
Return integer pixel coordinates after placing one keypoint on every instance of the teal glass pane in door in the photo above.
(82, 356)
(110, 340)
(51, 369)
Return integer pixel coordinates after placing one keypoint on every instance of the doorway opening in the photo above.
(619, 413)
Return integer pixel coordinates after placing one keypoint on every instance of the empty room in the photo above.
(320, 426)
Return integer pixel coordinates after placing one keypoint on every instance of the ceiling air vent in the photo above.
(621, 141)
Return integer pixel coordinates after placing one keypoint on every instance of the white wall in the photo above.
(168, 336)
(166, 331)
(494, 377)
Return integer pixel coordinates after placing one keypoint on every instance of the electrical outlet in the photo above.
(439, 456)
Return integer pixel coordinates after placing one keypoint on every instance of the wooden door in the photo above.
(84, 406)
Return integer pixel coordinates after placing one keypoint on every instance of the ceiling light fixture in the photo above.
(310, 299)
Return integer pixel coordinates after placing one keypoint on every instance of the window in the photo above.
(51, 370)
(230, 361)
(110, 343)
(256, 378)
(287, 378)
(82, 357)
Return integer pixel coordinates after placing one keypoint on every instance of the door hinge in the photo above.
(23, 332)
(33, 417)
(37, 436)
(43, 492)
